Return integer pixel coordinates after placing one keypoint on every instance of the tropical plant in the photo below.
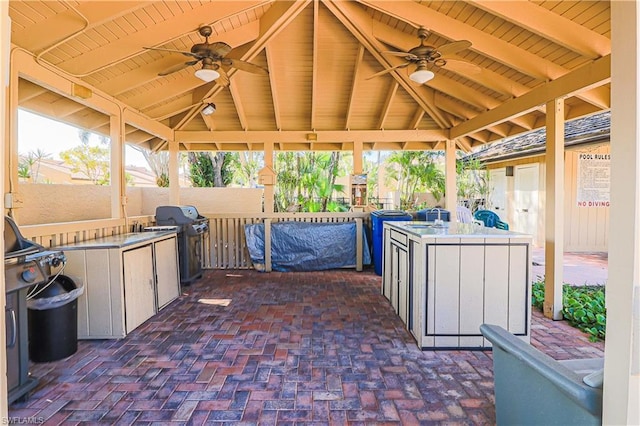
(583, 307)
(24, 167)
(413, 172)
(209, 169)
(89, 160)
(472, 181)
(308, 181)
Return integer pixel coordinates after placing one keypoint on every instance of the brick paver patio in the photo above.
(290, 348)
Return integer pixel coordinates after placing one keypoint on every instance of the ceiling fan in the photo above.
(428, 58)
(212, 56)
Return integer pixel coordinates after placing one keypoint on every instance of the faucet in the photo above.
(438, 221)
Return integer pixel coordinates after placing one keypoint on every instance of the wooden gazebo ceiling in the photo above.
(319, 55)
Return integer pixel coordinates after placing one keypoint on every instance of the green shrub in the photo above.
(583, 307)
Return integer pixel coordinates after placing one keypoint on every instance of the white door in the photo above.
(139, 291)
(498, 194)
(526, 199)
(167, 273)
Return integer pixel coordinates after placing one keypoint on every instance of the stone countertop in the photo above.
(117, 241)
(451, 230)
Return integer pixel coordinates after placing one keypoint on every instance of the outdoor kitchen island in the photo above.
(445, 280)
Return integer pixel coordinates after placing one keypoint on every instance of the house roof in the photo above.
(320, 56)
(587, 130)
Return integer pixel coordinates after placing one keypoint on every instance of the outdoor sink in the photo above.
(426, 225)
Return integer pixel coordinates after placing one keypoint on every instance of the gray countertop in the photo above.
(451, 230)
(116, 241)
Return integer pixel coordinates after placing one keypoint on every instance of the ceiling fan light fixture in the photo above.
(421, 75)
(207, 74)
(209, 109)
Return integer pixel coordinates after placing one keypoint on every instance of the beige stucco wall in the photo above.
(62, 203)
(69, 203)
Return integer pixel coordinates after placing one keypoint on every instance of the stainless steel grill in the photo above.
(191, 228)
(26, 264)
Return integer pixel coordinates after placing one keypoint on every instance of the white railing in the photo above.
(228, 247)
(225, 245)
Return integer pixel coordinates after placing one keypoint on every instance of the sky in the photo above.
(52, 137)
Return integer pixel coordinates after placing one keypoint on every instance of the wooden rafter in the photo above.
(560, 30)
(387, 104)
(275, 20)
(354, 83)
(516, 57)
(355, 20)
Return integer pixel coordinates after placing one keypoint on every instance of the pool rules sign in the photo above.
(594, 172)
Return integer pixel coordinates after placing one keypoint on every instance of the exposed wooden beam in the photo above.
(274, 92)
(464, 144)
(28, 90)
(300, 136)
(417, 118)
(271, 23)
(358, 22)
(387, 104)
(490, 46)
(354, 84)
(237, 102)
(554, 27)
(592, 75)
(64, 107)
(498, 49)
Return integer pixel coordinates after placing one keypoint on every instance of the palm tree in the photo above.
(415, 171)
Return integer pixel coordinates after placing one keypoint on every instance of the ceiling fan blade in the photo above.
(184, 52)
(220, 48)
(244, 66)
(387, 70)
(406, 55)
(461, 67)
(178, 67)
(454, 47)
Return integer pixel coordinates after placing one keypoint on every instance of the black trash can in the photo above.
(53, 320)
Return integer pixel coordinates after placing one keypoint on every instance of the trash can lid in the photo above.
(51, 290)
(389, 213)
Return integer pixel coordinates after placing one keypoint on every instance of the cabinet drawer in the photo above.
(399, 238)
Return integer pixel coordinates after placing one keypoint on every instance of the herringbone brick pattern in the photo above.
(321, 348)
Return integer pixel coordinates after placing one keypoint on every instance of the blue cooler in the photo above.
(377, 219)
(431, 215)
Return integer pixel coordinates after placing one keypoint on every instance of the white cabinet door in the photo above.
(140, 304)
(167, 273)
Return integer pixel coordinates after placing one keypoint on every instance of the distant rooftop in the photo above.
(591, 129)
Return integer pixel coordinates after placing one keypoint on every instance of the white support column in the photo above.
(554, 210)
(269, 189)
(357, 157)
(5, 46)
(622, 345)
(450, 187)
(174, 173)
(118, 189)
